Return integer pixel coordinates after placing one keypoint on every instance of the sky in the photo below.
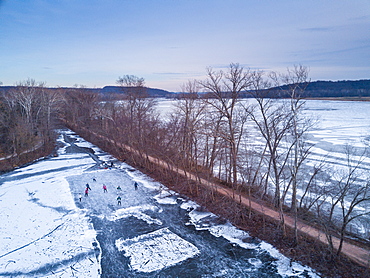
(168, 42)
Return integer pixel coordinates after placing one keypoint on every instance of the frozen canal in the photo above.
(49, 228)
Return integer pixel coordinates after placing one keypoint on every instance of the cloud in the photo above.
(317, 29)
(170, 73)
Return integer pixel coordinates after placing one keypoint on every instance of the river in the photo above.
(338, 124)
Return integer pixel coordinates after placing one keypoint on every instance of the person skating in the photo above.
(119, 200)
(119, 188)
(86, 192)
(105, 188)
(135, 185)
(88, 186)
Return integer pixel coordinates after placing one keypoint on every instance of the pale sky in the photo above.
(167, 42)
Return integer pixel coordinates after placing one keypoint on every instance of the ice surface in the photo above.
(156, 250)
(166, 197)
(44, 234)
(137, 212)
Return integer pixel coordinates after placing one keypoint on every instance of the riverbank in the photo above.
(10, 162)
(341, 98)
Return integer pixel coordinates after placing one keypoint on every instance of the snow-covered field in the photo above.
(42, 232)
(47, 231)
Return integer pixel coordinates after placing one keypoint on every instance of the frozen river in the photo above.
(49, 230)
(339, 124)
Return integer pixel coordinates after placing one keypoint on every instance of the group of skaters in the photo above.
(105, 190)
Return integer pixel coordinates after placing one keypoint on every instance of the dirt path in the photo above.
(353, 252)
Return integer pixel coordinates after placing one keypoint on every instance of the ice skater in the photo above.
(80, 198)
(88, 187)
(86, 192)
(94, 179)
(105, 188)
(119, 200)
(119, 188)
(135, 185)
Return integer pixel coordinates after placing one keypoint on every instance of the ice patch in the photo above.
(233, 234)
(285, 266)
(189, 205)
(202, 220)
(255, 262)
(157, 250)
(166, 197)
(137, 212)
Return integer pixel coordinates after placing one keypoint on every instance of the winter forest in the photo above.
(258, 147)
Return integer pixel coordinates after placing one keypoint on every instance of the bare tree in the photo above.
(191, 112)
(139, 105)
(341, 203)
(27, 94)
(273, 121)
(51, 101)
(283, 129)
(225, 89)
(297, 81)
(80, 105)
(27, 118)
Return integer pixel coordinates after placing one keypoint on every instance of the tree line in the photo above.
(28, 116)
(256, 148)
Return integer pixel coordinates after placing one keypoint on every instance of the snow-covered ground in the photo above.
(42, 232)
(50, 229)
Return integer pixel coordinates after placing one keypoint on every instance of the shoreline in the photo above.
(364, 99)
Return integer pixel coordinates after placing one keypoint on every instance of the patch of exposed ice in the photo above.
(137, 212)
(166, 197)
(189, 205)
(285, 266)
(157, 250)
(255, 262)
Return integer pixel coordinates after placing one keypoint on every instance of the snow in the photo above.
(42, 231)
(166, 197)
(137, 212)
(151, 252)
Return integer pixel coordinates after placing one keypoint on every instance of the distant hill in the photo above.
(320, 89)
(358, 88)
(315, 89)
(152, 92)
(107, 90)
